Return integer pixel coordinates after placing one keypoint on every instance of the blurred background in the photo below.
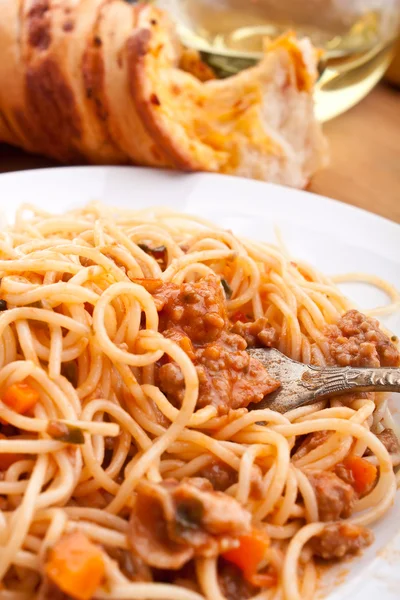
(356, 38)
(358, 91)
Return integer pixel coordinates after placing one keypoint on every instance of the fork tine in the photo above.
(289, 373)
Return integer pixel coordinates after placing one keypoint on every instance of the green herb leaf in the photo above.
(65, 433)
(189, 513)
(156, 252)
(227, 289)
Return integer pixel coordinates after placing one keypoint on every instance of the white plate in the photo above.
(334, 237)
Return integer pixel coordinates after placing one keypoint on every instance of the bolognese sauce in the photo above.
(194, 315)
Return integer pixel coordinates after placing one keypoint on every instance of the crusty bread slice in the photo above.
(99, 81)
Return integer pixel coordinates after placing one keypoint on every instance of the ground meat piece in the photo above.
(198, 309)
(345, 475)
(310, 442)
(268, 337)
(340, 540)
(131, 565)
(194, 316)
(229, 378)
(171, 381)
(335, 497)
(357, 341)
(172, 522)
(257, 333)
(233, 585)
(180, 338)
(220, 475)
(389, 440)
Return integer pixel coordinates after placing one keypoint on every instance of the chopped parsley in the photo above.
(227, 289)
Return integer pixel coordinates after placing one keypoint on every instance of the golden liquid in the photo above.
(356, 54)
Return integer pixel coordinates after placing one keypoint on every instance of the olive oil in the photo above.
(357, 47)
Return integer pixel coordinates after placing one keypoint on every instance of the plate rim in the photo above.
(221, 177)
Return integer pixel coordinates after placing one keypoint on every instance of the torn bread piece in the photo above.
(106, 82)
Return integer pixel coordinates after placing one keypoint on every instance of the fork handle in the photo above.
(332, 381)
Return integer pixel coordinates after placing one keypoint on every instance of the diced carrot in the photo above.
(249, 556)
(151, 285)
(239, 316)
(21, 397)
(187, 346)
(364, 473)
(76, 566)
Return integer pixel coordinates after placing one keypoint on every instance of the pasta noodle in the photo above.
(120, 407)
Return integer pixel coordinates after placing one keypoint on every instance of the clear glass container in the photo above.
(356, 36)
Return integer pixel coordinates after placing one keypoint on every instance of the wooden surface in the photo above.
(365, 156)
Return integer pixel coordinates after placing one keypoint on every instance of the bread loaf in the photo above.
(105, 82)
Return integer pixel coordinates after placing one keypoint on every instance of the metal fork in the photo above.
(305, 384)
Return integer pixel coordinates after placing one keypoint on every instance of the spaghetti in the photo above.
(131, 464)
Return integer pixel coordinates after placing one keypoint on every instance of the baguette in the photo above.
(105, 82)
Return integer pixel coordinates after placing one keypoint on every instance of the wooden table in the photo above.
(365, 151)
(365, 155)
